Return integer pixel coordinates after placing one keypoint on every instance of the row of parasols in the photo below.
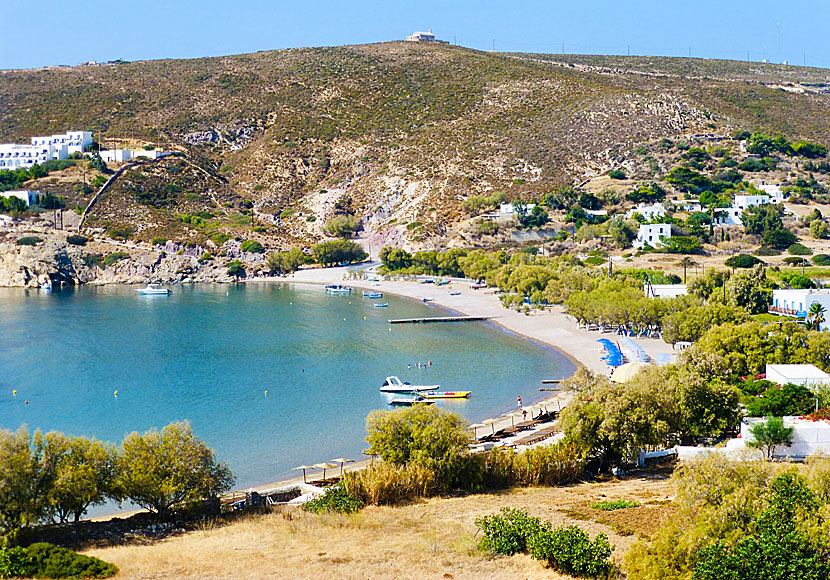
(531, 410)
(325, 465)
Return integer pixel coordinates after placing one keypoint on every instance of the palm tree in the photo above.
(815, 316)
(686, 262)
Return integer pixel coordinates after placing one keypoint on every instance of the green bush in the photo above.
(594, 261)
(619, 504)
(616, 174)
(48, 561)
(799, 250)
(219, 239)
(821, 260)
(120, 232)
(28, 241)
(336, 499)
(158, 241)
(508, 532)
(570, 550)
(14, 562)
(762, 251)
(114, 257)
(91, 260)
(76, 240)
(743, 261)
(252, 246)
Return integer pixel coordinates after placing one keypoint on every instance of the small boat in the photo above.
(46, 286)
(338, 289)
(153, 289)
(445, 394)
(477, 286)
(373, 295)
(442, 282)
(395, 385)
(381, 304)
(455, 293)
(430, 299)
(410, 402)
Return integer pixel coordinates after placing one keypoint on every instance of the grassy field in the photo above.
(427, 539)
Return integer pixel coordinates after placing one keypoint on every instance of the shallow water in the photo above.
(208, 353)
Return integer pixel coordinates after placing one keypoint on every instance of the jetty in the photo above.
(438, 319)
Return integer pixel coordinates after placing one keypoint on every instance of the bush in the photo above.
(508, 532)
(252, 246)
(799, 250)
(114, 257)
(158, 241)
(14, 562)
(743, 261)
(616, 174)
(384, 484)
(28, 241)
(619, 504)
(570, 550)
(76, 240)
(336, 499)
(342, 226)
(821, 260)
(762, 251)
(120, 232)
(778, 239)
(48, 561)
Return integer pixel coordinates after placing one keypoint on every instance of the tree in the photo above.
(689, 324)
(686, 263)
(252, 246)
(787, 401)
(236, 269)
(97, 163)
(770, 434)
(760, 144)
(83, 478)
(338, 251)
(395, 258)
(819, 229)
(815, 316)
(535, 218)
(161, 470)
(342, 226)
(760, 218)
(286, 262)
(750, 290)
(743, 261)
(423, 435)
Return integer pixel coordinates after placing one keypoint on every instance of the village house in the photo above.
(796, 303)
(649, 212)
(653, 235)
(42, 149)
(427, 36)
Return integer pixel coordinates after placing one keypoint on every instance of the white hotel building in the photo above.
(14, 155)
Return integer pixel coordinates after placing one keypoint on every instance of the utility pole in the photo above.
(778, 38)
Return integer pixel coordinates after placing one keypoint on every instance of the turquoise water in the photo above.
(208, 353)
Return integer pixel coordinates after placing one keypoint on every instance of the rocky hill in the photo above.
(399, 134)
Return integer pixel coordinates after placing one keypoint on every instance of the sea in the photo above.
(270, 375)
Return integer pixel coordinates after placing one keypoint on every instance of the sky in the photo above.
(52, 32)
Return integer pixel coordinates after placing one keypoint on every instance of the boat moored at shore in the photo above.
(394, 385)
(153, 289)
(445, 394)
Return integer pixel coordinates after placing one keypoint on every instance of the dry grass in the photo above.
(428, 539)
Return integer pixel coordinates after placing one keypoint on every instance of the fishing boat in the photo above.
(445, 394)
(410, 402)
(338, 289)
(442, 282)
(455, 293)
(373, 295)
(153, 289)
(395, 385)
(381, 304)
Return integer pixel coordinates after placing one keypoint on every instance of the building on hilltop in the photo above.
(42, 149)
(427, 36)
(796, 303)
(654, 235)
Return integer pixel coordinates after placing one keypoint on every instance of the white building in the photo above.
(42, 149)
(796, 303)
(771, 189)
(665, 290)
(28, 197)
(728, 216)
(506, 209)
(427, 36)
(649, 212)
(746, 201)
(806, 375)
(809, 437)
(119, 155)
(654, 235)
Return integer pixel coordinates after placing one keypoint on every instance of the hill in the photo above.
(398, 134)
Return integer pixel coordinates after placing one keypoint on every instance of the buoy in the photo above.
(344, 319)
(364, 318)
(27, 402)
(14, 393)
(116, 393)
(266, 393)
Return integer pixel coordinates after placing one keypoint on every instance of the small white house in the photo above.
(654, 235)
(120, 155)
(806, 375)
(743, 202)
(649, 212)
(665, 290)
(796, 303)
(507, 209)
(689, 205)
(28, 197)
(728, 216)
(427, 36)
(773, 190)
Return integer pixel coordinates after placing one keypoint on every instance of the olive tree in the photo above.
(160, 470)
(83, 478)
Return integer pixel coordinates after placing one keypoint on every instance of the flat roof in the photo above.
(799, 371)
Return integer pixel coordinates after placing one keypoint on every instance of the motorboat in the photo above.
(338, 289)
(373, 295)
(153, 289)
(445, 394)
(430, 299)
(381, 304)
(410, 402)
(395, 385)
(46, 286)
(455, 293)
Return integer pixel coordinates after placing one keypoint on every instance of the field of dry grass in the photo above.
(427, 539)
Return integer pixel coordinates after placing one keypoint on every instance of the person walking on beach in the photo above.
(519, 401)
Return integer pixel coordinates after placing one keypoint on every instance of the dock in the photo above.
(438, 319)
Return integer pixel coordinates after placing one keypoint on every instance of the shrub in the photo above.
(619, 504)
(28, 241)
(336, 499)
(594, 261)
(219, 239)
(743, 261)
(799, 250)
(120, 232)
(114, 257)
(616, 174)
(158, 241)
(342, 226)
(14, 562)
(508, 532)
(91, 260)
(821, 260)
(76, 240)
(570, 550)
(762, 251)
(48, 561)
(253, 247)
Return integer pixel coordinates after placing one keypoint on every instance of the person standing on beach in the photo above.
(519, 401)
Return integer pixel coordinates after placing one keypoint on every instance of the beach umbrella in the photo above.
(303, 467)
(514, 414)
(324, 466)
(626, 372)
(475, 426)
(342, 463)
(491, 422)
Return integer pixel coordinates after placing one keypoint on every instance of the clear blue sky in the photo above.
(52, 32)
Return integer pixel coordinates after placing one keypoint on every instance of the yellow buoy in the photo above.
(364, 318)
(344, 319)
(14, 393)
(266, 393)
(116, 393)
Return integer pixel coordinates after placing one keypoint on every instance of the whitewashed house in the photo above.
(728, 216)
(42, 149)
(773, 190)
(119, 155)
(654, 235)
(508, 209)
(28, 197)
(805, 375)
(427, 36)
(746, 201)
(650, 212)
(796, 303)
(665, 290)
